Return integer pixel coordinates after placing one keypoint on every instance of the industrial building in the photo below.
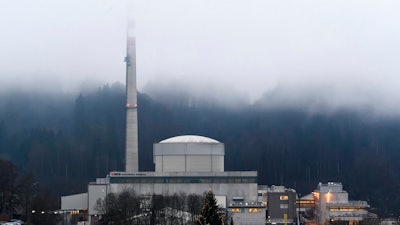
(185, 164)
(332, 205)
(281, 205)
(247, 214)
(276, 205)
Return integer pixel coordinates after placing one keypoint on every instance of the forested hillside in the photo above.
(68, 140)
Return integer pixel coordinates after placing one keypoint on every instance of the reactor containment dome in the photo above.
(189, 153)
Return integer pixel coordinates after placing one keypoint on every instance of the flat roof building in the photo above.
(281, 205)
(247, 214)
(332, 205)
(185, 164)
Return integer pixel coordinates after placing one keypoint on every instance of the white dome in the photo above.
(189, 139)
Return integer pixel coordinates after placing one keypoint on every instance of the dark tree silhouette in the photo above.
(119, 208)
(16, 189)
(44, 204)
(8, 195)
(210, 213)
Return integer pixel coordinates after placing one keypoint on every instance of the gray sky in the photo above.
(345, 52)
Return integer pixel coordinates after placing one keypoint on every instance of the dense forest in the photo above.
(68, 140)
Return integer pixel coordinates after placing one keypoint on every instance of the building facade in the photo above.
(332, 205)
(281, 205)
(187, 164)
(253, 214)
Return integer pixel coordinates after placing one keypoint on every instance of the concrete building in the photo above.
(185, 164)
(188, 164)
(332, 205)
(253, 214)
(281, 205)
(189, 153)
(306, 203)
(275, 205)
(262, 195)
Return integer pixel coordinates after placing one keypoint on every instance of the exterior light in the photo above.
(33, 211)
(328, 197)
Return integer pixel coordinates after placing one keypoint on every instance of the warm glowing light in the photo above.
(328, 197)
(33, 211)
(254, 210)
(235, 210)
(316, 195)
(42, 212)
(284, 197)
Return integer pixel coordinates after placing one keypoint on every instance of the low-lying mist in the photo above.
(314, 99)
(70, 140)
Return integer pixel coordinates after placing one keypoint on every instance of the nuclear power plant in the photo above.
(189, 164)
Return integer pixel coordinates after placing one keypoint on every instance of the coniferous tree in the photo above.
(210, 212)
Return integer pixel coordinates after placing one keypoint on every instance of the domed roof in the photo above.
(189, 139)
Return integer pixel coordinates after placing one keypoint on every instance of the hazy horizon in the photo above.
(340, 54)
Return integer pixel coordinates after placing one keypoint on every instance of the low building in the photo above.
(245, 213)
(306, 203)
(332, 205)
(281, 205)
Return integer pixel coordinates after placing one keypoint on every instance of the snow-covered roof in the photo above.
(189, 139)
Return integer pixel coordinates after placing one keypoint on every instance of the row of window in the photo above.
(220, 180)
(242, 210)
(306, 202)
(282, 197)
(343, 209)
(283, 206)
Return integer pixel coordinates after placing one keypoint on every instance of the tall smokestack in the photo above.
(131, 151)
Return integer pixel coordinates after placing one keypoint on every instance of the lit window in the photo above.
(254, 210)
(284, 197)
(235, 210)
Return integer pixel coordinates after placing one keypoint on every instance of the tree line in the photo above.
(128, 208)
(67, 141)
(21, 197)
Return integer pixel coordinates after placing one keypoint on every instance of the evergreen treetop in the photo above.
(210, 212)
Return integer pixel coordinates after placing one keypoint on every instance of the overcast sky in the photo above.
(345, 50)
